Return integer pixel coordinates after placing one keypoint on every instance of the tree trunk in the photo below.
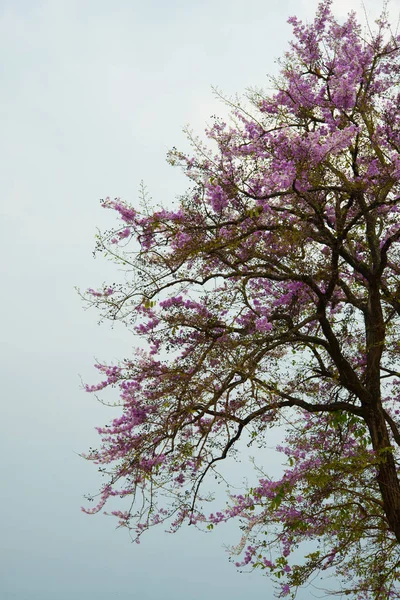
(374, 415)
(387, 472)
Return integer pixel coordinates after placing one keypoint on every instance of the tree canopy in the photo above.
(270, 297)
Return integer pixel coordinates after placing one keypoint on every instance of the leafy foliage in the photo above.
(271, 297)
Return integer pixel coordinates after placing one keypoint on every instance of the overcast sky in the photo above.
(93, 95)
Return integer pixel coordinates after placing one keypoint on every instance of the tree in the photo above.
(271, 297)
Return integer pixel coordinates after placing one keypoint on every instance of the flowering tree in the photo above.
(271, 297)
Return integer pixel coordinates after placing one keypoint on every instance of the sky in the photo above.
(93, 94)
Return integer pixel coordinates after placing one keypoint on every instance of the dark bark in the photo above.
(387, 472)
(387, 476)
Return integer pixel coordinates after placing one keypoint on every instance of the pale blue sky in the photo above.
(93, 94)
